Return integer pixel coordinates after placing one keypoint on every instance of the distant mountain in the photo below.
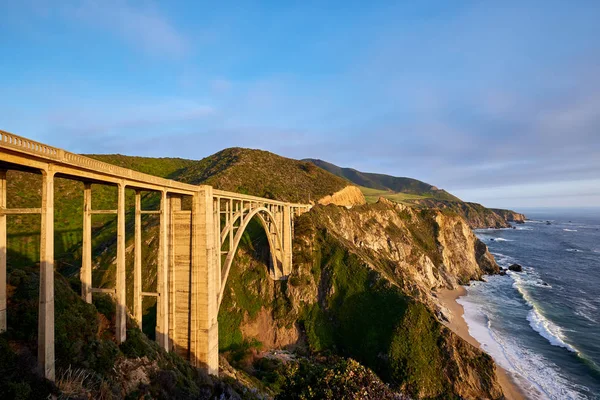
(381, 182)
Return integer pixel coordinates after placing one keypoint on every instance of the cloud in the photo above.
(143, 27)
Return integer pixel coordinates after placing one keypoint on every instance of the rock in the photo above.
(516, 268)
(348, 196)
(502, 273)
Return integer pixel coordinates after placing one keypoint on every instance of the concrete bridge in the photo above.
(195, 252)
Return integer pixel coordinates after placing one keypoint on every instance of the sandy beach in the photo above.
(459, 326)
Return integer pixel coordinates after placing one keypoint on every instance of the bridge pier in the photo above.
(3, 325)
(137, 261)
(86, 251)
(121, 294)
(46, 299)
(204, 327)
(162, 272)
(287, 240)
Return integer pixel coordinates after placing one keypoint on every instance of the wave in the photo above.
(536, 375)
(570, 230)
(548, 329)
(575, 250)
(538, 322)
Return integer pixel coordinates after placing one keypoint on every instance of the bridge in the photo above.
(195, 252)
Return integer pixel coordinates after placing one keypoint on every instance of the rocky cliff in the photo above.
(510, 215)
(362, 287)
(475, 214)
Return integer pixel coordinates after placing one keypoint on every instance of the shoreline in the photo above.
(458, 325)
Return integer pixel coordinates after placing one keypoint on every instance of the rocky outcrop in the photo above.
(510, 216)
(427, 248)
(348, 196)
(476, 215)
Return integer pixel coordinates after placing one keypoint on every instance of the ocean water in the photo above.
(543, 325)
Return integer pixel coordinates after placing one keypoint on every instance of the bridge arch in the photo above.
(269, 221)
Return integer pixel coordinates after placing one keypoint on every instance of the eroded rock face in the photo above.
(395, 249)
(348, 196)
(429, 248)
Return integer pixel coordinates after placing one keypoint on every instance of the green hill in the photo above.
(385, 185)
(261, 173)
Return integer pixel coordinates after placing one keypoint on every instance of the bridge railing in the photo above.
(41, 150)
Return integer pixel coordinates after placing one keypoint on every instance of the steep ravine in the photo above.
(363, 287)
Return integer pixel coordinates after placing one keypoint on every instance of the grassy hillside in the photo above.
(265, 174)
(386, 183)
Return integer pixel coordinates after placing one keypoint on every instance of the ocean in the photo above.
(543, 324)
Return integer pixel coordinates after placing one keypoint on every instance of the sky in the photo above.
(497, 102)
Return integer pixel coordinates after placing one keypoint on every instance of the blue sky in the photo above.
(495, 101)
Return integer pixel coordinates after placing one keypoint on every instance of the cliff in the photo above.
(362, 287)
(475, 214)
(510, 215)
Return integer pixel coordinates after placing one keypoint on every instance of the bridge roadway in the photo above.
(196, 247)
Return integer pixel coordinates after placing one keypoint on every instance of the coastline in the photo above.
(459, 326)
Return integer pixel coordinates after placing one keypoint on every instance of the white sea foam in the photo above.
(549, 330)
(575, 250)
(570, 230)
(546, 328)
(537, 376)
(503, 240)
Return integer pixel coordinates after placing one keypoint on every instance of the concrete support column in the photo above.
(287, 240)
(121, 295)
(137, 261)
(217, 237)
(174, 205)
(85, 274)
(204, 341)
(46, 299)
(3, 323)
(162, 306)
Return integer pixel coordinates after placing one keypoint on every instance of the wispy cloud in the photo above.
(145, 28)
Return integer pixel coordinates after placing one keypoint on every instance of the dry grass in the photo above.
(77, 383)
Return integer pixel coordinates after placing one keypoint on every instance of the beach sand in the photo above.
(460, 327)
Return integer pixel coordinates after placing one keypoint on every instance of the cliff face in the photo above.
(510, 215)
(348, 196)
(362, 287)
(476, 215)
